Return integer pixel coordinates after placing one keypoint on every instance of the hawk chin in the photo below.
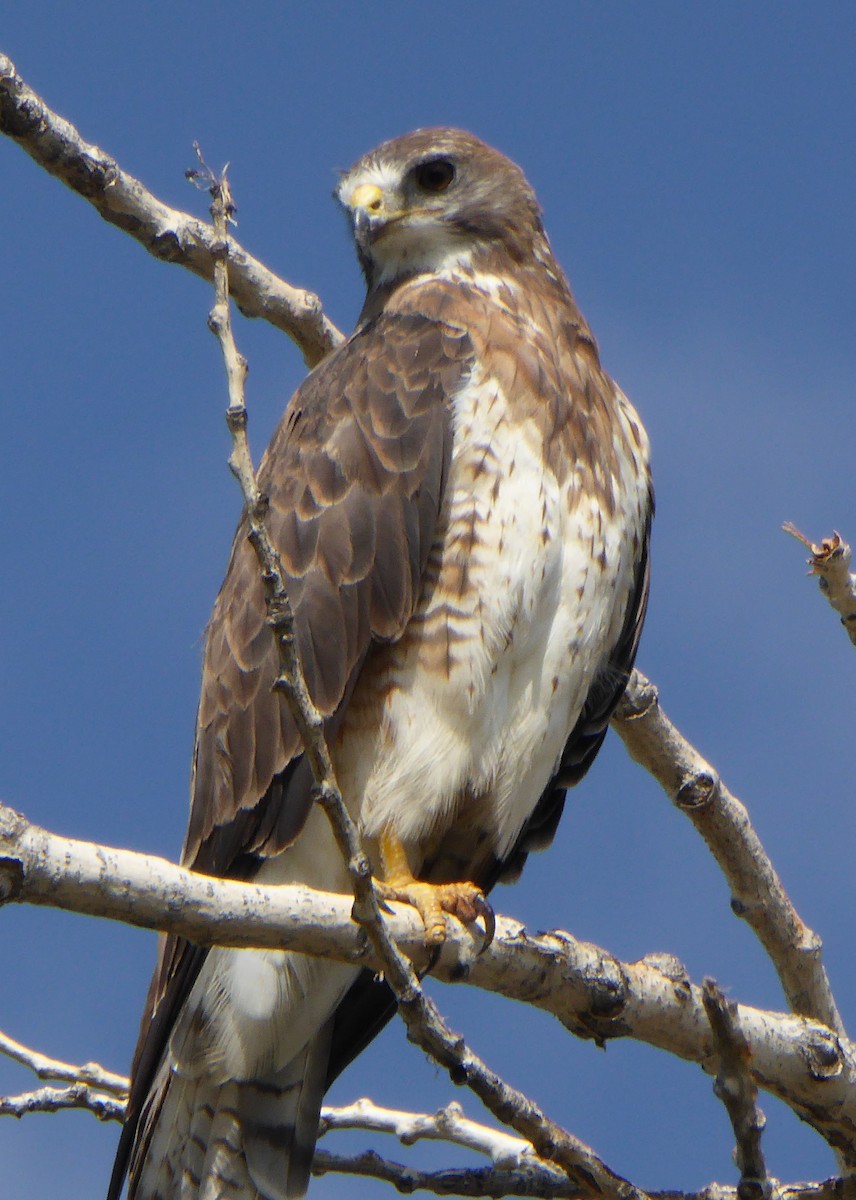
(461, 500)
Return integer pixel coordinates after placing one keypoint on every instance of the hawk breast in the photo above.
(460, 724)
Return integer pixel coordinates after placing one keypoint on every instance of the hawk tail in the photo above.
(250, 1139)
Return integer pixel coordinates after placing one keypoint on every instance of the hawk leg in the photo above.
(432, 901)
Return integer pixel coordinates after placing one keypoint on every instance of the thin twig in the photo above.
(830, 562)
(735, 1087)
(49, 1099)
(51, 1068)
(167, 233)
(756, 890)
(448, 1124)
(539, 1181)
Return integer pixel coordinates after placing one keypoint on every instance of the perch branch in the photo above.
(757, 894)
(167, 233)
(830, 562)
(593, 994)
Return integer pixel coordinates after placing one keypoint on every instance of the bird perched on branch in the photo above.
(461, 499)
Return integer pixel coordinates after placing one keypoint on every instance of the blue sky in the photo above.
(695, 164)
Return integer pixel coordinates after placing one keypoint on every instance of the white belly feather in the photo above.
(525, 633)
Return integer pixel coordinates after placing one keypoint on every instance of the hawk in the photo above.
(462, 502)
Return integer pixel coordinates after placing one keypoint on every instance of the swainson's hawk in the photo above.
(462, 501)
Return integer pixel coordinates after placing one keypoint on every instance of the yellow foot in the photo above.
(433, 900)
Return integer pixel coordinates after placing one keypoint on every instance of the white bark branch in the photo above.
(757, 894)
(535, 1180)
(167, 233)
(90, 1073)
(830, 562)
(593, 994)
(448, 1124)
(103, 1105)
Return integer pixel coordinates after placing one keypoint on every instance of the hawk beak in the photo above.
(366, 205)
(367, 198)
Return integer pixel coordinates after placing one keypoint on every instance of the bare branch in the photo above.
(536, 1180)
(757, 894)
(448, 1124)
(167, 233)
(51, 1068)
(530, 1177)
(736, 1088)
(290, 682)
(49, 1099)
(593, 994)
(830, 562)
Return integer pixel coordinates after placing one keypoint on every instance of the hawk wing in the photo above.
(354, 476)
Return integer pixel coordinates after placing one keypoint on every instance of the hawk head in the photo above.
(435, 200)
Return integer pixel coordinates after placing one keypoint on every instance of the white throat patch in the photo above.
(414, 247)
(411, 242)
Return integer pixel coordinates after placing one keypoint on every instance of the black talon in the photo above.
(433, 958)
(487, 914)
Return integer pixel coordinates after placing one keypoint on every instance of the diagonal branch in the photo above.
(756, 890)
(167, 233)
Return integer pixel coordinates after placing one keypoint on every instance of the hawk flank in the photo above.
(462, 502)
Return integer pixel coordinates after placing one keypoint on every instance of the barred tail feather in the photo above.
(236, 1140)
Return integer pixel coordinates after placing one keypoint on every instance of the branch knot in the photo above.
(697, 791)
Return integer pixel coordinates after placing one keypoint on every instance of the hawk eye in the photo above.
(435, 175)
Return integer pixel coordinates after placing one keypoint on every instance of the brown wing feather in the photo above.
(355, 475)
